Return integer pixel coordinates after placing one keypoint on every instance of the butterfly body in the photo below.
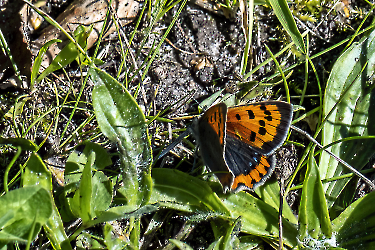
(239, 142)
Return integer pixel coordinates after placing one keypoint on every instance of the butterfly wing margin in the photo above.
(249, 167)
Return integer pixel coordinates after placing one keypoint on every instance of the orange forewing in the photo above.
(216, 117)
(263, 126)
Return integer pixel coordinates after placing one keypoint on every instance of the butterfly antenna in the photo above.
(179, 102)
(355, 171)
(187, 132)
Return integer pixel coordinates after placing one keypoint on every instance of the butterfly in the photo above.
(238, 143)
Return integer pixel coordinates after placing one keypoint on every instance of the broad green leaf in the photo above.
(92, 193)
(184, 192)
(85, 190)
(314, 219)
(102, 193)
(350, 117)
(23, 143)
(249, 242)
(355, 227)
(36, 173)
(259, 218)
(101, 197)
(76, 162)
(72, 176)
(102, 159)
(216, 244)
(21, 209)
(122, 121)
(5, 237)
(68, 54)
(181, 245)
(270, 194)
(135, 233)
(285, 17)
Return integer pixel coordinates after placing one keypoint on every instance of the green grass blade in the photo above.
(6, 50)
(249, 33)
(38, 61)
(180, 244)
(286, 19)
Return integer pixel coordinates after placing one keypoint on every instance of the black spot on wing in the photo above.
(253, 136)
(251, 114)
(262, 131)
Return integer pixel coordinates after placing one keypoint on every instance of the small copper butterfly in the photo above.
(238, 142)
